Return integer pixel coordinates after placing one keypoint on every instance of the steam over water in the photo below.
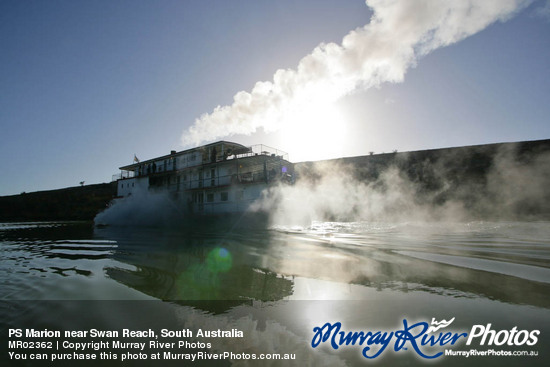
(278, 284)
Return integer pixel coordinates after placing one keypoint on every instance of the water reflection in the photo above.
(176, 265)
(265, 265)
(509, 262)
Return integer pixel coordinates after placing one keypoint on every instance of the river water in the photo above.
(278, 284)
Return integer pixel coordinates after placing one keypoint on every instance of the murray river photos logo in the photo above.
(428, 341)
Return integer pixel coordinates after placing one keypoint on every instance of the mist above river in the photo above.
(452, 186)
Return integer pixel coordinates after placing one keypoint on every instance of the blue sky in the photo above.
(86, 85)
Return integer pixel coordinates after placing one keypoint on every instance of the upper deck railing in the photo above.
(254, 150)
(261, 149)
(123, 174)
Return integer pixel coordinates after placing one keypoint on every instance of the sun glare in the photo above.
(314, 133)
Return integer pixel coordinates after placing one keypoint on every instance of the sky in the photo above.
(86, 85)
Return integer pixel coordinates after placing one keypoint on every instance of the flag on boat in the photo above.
(136, 159)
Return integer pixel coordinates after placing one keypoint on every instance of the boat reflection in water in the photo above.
(176, 266)
(463, 261)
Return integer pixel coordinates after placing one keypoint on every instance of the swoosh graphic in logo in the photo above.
(439, 325)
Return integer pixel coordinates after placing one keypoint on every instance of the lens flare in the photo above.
(219, 260)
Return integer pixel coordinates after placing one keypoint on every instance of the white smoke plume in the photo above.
(398, 33)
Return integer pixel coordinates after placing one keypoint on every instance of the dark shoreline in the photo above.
(71, 203)
(461, 174)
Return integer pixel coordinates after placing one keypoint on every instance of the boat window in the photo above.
(209, 198)
(224, 196)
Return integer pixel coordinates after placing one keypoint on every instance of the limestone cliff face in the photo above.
(73, 203)
(493, 181)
